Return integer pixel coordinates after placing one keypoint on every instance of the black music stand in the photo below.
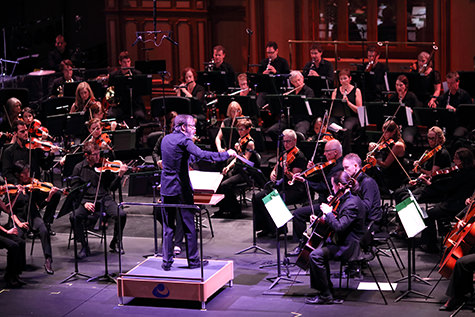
(216, 81)
(151, 67)
(465, 114)
(411, 217)
(106, 277)
(319, 85)
(436, 116)
(68, 206)
(271, 84)
(129, 87)
(181, 105)
(56, 105)
(75, 124)
(254, 173)
(280, 215)
(319, 106)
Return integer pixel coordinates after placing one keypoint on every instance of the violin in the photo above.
(47, 146)
(43, 186)
(9, 188)
(37, 130)
(425, 157)
(103, 139)
(311, 170)
(113, 166)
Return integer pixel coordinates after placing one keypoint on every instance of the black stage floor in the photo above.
(249, 296)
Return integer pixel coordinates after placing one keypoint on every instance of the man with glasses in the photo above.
(320, 184)
(273, 64)
(176, 188)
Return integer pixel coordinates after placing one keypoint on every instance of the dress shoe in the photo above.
(197, 264)
(295, 252)
(20, 281)
(452, 304)
(262, 234)
(166, 267)
(114, 248)
(50, 231)
(176, 250)
(48, 267)
(84, 252)
(319, 300)
(11, 281)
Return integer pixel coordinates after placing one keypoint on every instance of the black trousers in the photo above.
(461, 281)
(169, 225)
(37, 225)
(16, 258)
(227, 187)
(105, 206)
(299, 221)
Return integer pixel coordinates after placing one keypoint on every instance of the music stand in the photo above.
(126, 87)
(181, 105)
(319, 106)
(435, 116)
(254, 173)
(465, 114)
(75, 124)
(151, 67)
(267, 83)
(68, 206)
(280, 214)
(412, 219)
(56, 105)
(319, 85)
(216, 81)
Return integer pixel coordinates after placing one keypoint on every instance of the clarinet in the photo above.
(268, 63)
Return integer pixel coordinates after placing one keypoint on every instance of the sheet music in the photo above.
(410, 122)
(411, 218)
(362, 116)
(277, 209)
(205, 181)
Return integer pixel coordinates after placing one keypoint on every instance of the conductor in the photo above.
(176, 187)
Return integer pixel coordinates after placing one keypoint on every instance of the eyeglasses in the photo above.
(270, 52)
(329, 150)
(242, 129)
(287, 141)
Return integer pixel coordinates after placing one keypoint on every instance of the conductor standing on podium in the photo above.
(176, 186)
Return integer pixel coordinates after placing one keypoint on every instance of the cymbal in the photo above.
(42, 72)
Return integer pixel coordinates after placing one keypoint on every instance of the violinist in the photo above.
(30, 213)
(352, 100)
(347, 221)
(101, 139)
(429, 80)
(318, 66)
(375, 80)
(96, 197)
(434, 159)
(235, 173)
(320, 184)
(85, 101)
(35, 129)
(391, 148)
(453, 191)
(11, 112)
(234, 111)
(291, 162)
(317, 126)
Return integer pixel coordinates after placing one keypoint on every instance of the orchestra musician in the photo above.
(455, 96)
(36, 158)
(352, 100)
(85, 101)
(218, 64)
(176, 149)
(11, 112)
(101, 139)
(318, 66)
(291, 161)
(332, 152)
(301, 122)
(35, 129)
(125, 66)
(429, 78)
(440, 159)
(244, 86)
(347, 221)
(234, 111)
(16, 258)
(454, 191)
(96, 199)
(29, 213)
(388, 174)
(56, 88)
(317, 126)
(235, 172)
(59, 53)
(188, 86)
(378, 70)
(273, 64)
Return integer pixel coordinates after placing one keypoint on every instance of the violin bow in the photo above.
(10, 203)
(325, 116)
(98, 185)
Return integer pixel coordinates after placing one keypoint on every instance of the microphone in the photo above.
(166, 37)
(139, 38)
(249, 31)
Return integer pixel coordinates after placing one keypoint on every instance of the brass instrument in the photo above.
(60, 88)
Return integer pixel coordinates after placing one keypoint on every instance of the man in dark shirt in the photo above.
(374, 76)
(35, 158)
(219, 54)
(348, 227)
(176, 188)
(273, 64)
(56, 87)
(455, 96)
(59, 53)
(318, 66)
(96, 197)
(291, 162)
